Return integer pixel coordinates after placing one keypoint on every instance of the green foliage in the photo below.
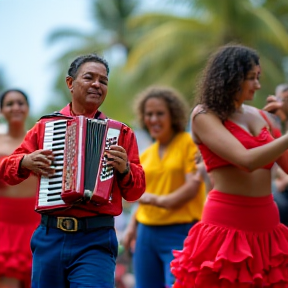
(171, 49)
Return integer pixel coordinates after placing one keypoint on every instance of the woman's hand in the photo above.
(161, 201)
(148, 198)
(129, 236)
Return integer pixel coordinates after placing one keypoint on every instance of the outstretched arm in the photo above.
(178, 197)
(208, 129)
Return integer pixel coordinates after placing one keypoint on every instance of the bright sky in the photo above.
(26, 59)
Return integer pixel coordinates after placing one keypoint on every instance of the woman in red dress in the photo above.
(239, 242)
(18, 219)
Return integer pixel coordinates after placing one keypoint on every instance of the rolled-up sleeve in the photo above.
(134, 187)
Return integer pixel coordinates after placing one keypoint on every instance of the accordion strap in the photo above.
(98, 115)
(55, 114)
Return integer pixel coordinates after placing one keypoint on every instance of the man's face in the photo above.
(283, 96)
(89, 88)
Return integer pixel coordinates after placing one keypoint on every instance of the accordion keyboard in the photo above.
(51, 187)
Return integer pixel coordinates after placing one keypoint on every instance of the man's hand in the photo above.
(117, 157)
(39, 162)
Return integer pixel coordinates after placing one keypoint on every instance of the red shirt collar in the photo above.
(67, 112)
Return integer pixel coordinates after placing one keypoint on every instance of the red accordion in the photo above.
(81, 169)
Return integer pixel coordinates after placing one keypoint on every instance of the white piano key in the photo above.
(59, 162)
(50, 186)
(49, 197)
(56, 123)
(45, 192)
(45, 203)
(54, 136)
(52, 130)
(56, 179)
(59, 153)
(54, 142)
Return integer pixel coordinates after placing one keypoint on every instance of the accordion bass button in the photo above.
(87, 194)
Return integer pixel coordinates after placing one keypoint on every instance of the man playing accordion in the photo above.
(76, 244)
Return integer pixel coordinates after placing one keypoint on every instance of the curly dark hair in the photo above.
(175, 102)
(222, 77)
(3, 95)
(75, 65)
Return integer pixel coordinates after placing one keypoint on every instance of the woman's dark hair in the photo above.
(222, 77)
(3, 95)
(75, 65)
(175, 102)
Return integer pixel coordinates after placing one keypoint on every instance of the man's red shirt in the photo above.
(131, 187)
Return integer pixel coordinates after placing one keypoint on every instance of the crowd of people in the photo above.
(208, 197)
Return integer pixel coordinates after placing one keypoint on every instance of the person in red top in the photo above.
(18, 219)
(239, 241)
(83, 250)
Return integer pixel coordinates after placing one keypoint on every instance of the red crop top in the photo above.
(212, 161)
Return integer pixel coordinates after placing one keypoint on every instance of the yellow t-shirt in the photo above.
(163, 176)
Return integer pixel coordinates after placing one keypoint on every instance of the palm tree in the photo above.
(279, 8)
(110, 17)
(173, 49)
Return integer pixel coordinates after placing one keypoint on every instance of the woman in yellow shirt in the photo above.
(175, 192)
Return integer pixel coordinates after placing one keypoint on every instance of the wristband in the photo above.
(125, 172)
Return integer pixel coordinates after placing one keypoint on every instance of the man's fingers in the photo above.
(46, 152)
(44, 159)
(44, 172)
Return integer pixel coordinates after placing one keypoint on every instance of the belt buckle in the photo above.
(67, 224)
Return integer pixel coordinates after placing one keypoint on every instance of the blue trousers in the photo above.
(153, 253)
(73, 259)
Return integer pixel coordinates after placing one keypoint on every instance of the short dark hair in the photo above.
(3, 95)
(75, 65)
(175, 102)
(222, 77)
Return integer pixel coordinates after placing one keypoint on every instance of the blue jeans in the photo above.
(153, 253)
(73, 259)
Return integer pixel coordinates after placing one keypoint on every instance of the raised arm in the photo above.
(208, 129)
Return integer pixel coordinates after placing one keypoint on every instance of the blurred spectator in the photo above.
(277, 106)
(18, 219)
(175, 192)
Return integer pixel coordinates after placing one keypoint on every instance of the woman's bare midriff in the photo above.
(25, 189)
(232, 180)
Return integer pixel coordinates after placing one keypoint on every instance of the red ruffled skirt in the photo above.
(238, 243)
(18, 220)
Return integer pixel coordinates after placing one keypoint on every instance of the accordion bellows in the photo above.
(81, 169)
